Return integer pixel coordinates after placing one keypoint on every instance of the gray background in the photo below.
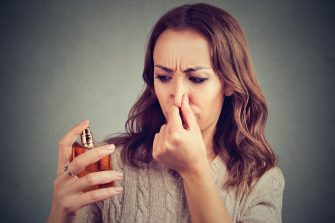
(65, 61)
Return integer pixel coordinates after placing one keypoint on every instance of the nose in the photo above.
(177, 92)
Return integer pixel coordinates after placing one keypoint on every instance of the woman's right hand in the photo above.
(68, 195)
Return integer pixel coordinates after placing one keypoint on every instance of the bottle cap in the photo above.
(87, 138)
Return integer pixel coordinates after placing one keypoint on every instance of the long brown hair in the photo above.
(239, 136)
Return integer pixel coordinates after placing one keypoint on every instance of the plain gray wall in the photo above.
(64, 61)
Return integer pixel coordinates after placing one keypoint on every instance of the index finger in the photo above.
(65, 145)
(174, 122)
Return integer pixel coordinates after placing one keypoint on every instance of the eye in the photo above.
(163, 78)
(197, 80)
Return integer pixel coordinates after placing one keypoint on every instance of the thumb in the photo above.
(188, 115)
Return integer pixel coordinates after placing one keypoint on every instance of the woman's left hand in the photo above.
(178, 148)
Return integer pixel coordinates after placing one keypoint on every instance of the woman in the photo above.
(194, 147)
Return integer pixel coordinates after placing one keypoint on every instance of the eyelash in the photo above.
(195, 80)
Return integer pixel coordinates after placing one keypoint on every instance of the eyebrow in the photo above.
(190, 69)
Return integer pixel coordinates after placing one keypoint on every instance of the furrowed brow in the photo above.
(190, 69)
(164, 68)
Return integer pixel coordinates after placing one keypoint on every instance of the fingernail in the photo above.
(118, 189)
(110, 147)
(119, 174)
(186, 99)
(187, 104)
(84, 122)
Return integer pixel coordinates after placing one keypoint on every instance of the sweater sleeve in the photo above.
(264, 202)
(89, 214)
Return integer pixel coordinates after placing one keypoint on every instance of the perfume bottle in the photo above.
(87, 143)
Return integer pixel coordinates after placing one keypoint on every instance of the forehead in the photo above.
(181, 46)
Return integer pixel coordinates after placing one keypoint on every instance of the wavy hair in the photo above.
(239, 135)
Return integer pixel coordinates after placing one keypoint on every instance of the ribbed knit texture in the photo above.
(154, 193)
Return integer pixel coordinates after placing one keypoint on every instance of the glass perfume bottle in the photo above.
(87, 143)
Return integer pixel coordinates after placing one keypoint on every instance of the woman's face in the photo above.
(183, 67)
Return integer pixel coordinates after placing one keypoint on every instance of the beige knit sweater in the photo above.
(155, 194)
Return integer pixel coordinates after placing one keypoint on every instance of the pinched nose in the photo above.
(177, 93)
(176, 100)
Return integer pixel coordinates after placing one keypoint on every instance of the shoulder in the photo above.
(271, 184)
(273, 179)
(117, 161)
(263, 203)
(117, 151)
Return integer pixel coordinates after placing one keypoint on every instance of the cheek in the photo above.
(158, 91)
(209, 104)
(205, 99)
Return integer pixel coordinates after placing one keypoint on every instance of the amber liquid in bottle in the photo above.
(102, 165)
